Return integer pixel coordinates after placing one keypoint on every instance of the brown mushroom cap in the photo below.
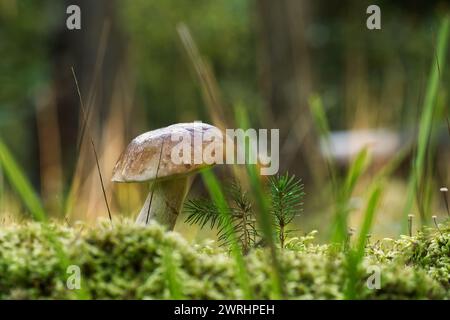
(139, 162)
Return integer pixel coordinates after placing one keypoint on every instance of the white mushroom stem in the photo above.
(166, 202)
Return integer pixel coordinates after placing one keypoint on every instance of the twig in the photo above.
(153, 185)
(98, 65)
(92, 144)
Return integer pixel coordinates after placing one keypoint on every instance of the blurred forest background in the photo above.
(145, 64)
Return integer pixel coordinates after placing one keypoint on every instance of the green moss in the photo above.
(431, 251)
(127, 263)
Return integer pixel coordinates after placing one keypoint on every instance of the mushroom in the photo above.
(149, 158)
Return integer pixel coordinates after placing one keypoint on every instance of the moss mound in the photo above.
(129, 262)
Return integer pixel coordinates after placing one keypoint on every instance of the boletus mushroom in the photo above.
(150, 158)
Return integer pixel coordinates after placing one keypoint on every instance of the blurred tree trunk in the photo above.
(287, 81)
(95, 52)
(96, 58)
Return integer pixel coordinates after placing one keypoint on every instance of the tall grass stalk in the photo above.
(208, 84)
(84, 118)
(321, 123)
(217, 195)
(426, 119)
(21, 184)
(342, 190)
(266, 224)
(356, 255)
(356, 170)
(265, 219)
(171, 270)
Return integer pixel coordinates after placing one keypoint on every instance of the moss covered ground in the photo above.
(130, 262)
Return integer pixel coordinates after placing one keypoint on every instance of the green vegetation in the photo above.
(418, 180)
(309, 69)
(21, 183)
(131, 262)
(204, 212)
(217, 195)
(286, 201)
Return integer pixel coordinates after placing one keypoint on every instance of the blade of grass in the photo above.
(101, 50)
(84, 115)
(319, 116)
(265, 221)
(265, 218)
(355, 256)
(33, 203)
(321, 124)
(217, 195)
(369, 215)
(357, 168)
(153, 185)
(175, 288)
(426, 119)
(21, 184)
(210, 90)
(208, 83)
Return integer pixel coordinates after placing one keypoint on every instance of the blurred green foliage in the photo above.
(25, 39)
(225, 35)
(391, 65)
(363, 79)
(25, 31)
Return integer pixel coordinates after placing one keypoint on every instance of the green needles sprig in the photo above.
(203, 212)
(287, 202)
